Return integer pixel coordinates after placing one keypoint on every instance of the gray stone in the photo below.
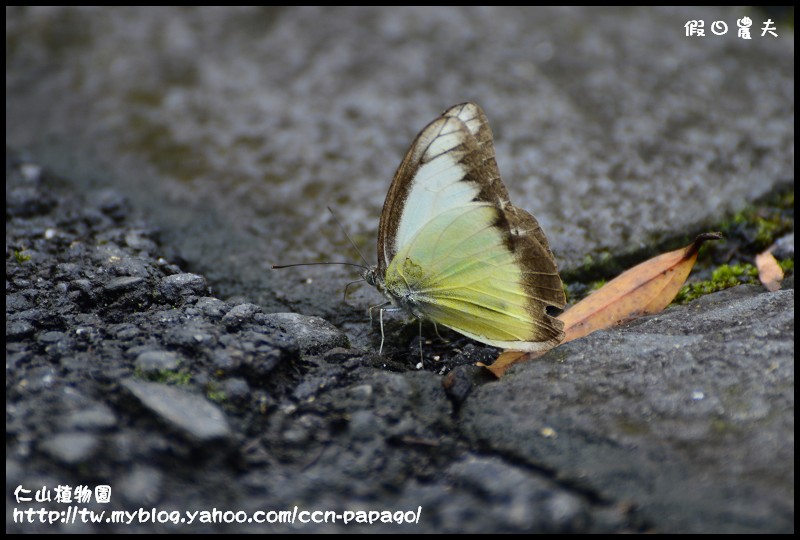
(141, 486)
(522, 500)
(689, 413)
(92, 418)
(18, 329)
(178, 286)
(312, 333)
(125, 283)
(155, 361)
(615, 129)
(784, 247)
(71, 448)
(214, 308)
(188, 413)
(239, 314)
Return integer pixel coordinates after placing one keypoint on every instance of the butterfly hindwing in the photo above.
(453, 249)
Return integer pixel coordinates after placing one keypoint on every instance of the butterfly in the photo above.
(452, 248)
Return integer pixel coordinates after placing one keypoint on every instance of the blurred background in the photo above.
(234, 128)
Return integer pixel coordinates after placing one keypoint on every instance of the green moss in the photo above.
(720, 427)
(178, 378)
(759, 226)
(767, 231)
(165, 376)
(787, 265)
(20, 256)
(732, 275)
(723, 277)
(786, 200)
(594, 285)
(218, 396)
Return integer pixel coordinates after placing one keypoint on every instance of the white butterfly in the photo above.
(453, 249)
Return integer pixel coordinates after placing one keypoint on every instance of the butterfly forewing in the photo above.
(428, 179)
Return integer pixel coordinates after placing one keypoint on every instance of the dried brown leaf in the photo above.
(644, 289)
(508, 359)
(769, 271)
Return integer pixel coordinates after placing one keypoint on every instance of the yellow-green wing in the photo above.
(461, 271)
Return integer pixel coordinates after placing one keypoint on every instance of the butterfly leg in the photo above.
(380, 316)
(380, 351)
(420, 340)
(436, 327)
(381, 309)
(373, 307)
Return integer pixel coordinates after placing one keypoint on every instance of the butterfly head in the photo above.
(373, 277)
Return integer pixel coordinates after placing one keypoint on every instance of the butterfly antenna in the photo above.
(278, 266)
(348, 236)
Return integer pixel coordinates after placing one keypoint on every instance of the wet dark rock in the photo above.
(50, 338)
(140, 241)
(67, 272)
(519, 499)
(113, 203)
(17, 302)
(28, 201)
(178, 286)
(213, 308)
(55, 344)
(18, 329)
(83, 289)
(784, 247)
(122, 284)
(363, 424)
(236, 389)
(115, 261)
(312, 333)
(262, 362)
(226, 360)
(33, 315)
(192, 336)
(240, 314)
(362, 393)
(125, 331)
(460, 382)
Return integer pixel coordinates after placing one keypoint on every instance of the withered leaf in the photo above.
(769, 271)
(645, 289)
